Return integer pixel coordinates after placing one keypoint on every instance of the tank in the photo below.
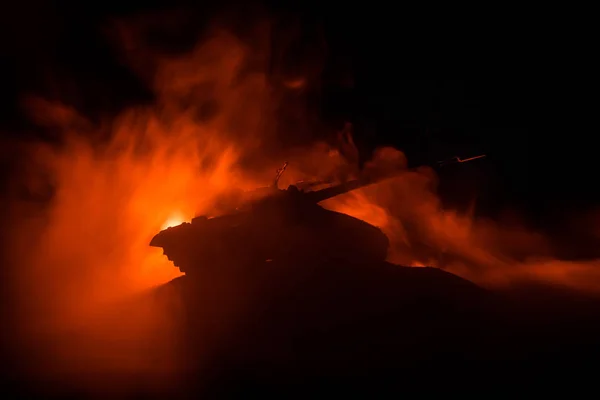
(275, 225)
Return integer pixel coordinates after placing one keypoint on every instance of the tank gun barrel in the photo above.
(456, 159)
(327, 193)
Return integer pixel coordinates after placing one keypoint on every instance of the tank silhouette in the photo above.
(274, 225)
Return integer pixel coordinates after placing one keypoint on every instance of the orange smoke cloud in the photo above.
(114, 186)
(168, 162)
(88, 247)
(422, 233)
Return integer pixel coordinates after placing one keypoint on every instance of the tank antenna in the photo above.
(278, 174)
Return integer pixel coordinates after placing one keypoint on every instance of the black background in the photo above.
(436, 82)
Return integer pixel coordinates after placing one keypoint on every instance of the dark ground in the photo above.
(346, 329)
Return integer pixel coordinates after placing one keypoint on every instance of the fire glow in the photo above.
(89, 247)
(174, 220)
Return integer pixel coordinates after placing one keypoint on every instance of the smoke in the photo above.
(85, 206)
(102, 194)
(80, 243)
(490, 253)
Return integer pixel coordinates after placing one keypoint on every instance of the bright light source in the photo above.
(173, 220)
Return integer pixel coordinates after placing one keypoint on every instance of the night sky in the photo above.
(433, 82)
(516, 84)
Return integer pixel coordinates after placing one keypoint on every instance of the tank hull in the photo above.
(239, 240)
